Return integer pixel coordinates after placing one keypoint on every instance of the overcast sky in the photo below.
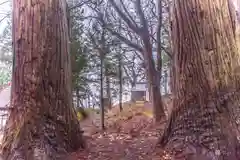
(5, 9)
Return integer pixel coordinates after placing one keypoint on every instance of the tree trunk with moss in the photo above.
(206, 92)
(42, 123)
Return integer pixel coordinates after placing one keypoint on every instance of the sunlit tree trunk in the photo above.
(43, 123)
(206, 75)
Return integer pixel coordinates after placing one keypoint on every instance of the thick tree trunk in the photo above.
(206, 90)
(237, 6)
(43, 123)
(154, 83)
(157, 102)
(150, 92)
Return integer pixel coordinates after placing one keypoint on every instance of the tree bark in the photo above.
(153, 80)
(101, 93)
(120, 81)
(206, 90)
(171, 76)
(78, 98)
(159, 42)
(165, 81)
(120, 70)
(43, 123)
(109, 104)
(237, 6)
(146, 50)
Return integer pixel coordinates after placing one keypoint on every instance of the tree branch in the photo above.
(124, 17)
(4, 2)
(4, 17)
(128, 14)
(141, 16)
(164, 49)
(128, 75)
(77, 5)
(125, 40)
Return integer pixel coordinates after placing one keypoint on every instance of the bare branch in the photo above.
(141, 15)
(124, 17)
(164, 49)
(125, 40)
(128, 14)
(4, 2)
(4, 17)
(79, 5)
(138, 55)
(128, 75)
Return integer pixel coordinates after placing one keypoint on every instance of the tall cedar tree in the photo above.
(42, 123)
(146, 50)
(206, 77)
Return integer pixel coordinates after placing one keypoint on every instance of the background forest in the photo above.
(86, 30)
(120, 79)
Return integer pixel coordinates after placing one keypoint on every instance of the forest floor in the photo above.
(129, 136)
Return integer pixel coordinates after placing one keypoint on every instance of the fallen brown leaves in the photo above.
(129, 136)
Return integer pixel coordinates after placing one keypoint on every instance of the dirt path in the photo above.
(121, 147)
(136, 140)
(114, 146)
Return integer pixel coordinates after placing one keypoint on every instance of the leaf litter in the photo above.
(127, 137)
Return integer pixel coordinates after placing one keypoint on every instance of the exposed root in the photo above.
(40, 139)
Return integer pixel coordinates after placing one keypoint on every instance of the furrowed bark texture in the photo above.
(205, 118)
(43, 123)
